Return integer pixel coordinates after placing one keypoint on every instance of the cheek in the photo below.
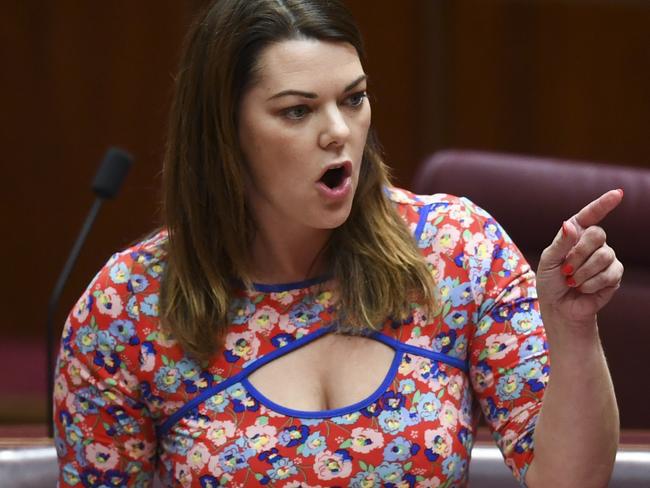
(363, 125)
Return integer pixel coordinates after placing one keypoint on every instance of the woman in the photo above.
(299, 322)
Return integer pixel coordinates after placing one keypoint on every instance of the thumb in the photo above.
(565, 239)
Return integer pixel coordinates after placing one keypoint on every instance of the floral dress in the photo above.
(129, 402)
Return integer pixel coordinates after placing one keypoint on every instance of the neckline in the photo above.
(290, 286)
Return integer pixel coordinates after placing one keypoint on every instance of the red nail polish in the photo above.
(567, 269)
(570, 281)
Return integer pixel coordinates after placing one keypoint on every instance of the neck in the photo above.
(282, 255)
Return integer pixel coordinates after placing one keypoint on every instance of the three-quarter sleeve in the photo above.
(508, 354)
(104, 432)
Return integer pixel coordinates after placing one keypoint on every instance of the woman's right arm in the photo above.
(103, 430)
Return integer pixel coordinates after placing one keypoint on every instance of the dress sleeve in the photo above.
(509, 363)
(103, 431)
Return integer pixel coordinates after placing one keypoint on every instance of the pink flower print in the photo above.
(214, 466)
(101, 456)
(269, 412)
(76, 372)
(128, 379)
(82, 307)
(448, 415)
(299, 484)
(262, 437)
(329, 465)
(508, 440)
(456, 386)
(522, 413)
(365, 440)
(71, 403)
(462, 214)
(137, 448)
(287, 325)
(109, 302)
(408, 364)
(423, 341)
(419, 318)
(421, 367)
(243, 344)
(170, 407)
(437, 266)
(198, 456)
(285, 297)
(60, 389)
(264, 319)
(447, 239)
(497, 346)
(429, 483)
(220, 432)
(439, 441)
(183, 475)
(480, 247)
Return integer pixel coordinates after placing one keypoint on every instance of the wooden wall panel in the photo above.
(561, 78)
(82, 76)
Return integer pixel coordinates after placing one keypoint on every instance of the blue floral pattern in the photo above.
(127, 399)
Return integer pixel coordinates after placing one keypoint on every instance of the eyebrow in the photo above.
(313, 95)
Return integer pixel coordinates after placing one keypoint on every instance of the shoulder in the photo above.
(441, 208)
(134, 270)
(125, 290)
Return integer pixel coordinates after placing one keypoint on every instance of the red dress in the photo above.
(128, 401)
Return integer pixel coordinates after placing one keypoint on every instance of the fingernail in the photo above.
(570, 281)
(622, 192)
(564, 231)
(567, 269)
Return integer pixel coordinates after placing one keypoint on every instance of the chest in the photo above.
(329, 373)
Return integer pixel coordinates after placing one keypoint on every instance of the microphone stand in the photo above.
(54, 301)
(106, 184)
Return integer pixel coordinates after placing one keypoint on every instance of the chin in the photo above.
(334, 221)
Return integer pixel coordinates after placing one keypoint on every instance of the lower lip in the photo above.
(338, 193)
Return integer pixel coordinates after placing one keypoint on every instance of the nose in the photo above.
(335, 129)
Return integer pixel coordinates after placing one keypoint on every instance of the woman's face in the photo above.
(302, 129)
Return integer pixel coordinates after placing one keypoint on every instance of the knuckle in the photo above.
(603, 256)
(597, 233)
(578, 252)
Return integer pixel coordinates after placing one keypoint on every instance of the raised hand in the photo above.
(579, 273)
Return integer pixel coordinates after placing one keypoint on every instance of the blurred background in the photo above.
(567, 79)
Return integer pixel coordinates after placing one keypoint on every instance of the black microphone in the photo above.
(106, 184)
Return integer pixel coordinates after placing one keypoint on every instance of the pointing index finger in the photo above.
(597, 210)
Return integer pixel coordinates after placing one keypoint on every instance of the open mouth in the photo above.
(334, 177)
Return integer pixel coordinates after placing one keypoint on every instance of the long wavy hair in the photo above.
(374, 260)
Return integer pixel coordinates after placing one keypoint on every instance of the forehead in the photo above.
(307, 64)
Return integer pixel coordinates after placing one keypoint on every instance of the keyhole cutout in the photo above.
(331, 372)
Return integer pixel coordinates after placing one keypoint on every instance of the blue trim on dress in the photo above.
(335, 412)
(424, 211)
(419, 351)
(242, 377)
(213, 390)
(163, 428)
(295, 285)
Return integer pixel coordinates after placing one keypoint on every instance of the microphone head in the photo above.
(111, 173)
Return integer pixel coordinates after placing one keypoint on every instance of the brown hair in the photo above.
(377, 265)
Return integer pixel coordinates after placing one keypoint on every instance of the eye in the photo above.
(296, 113)
(356, 99)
